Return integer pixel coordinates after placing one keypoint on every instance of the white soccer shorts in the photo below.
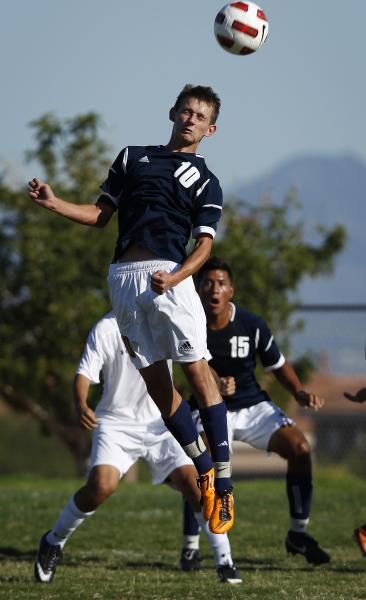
(123, 447)
(254, 425)
(153, 326)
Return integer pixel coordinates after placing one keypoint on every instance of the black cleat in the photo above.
(228, 574)
(304, 544)
(359, 535)
(48, 557)
(190, 560)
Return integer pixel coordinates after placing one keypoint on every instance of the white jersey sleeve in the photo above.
(92, 360)
(125, 399)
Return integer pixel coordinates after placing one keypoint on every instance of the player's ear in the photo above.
(232, 291)
(172, 114)
(211, 130)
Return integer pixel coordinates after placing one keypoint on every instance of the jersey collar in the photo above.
(233, 311)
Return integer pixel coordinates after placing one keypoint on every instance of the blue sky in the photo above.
(303, 92)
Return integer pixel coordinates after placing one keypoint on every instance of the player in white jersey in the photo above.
(127, 426)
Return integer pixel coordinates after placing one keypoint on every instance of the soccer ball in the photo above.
(241, 27)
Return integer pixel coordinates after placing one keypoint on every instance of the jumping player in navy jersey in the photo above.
(163, 194)
(235, 338)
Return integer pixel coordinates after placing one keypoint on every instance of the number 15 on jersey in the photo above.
(239, 346)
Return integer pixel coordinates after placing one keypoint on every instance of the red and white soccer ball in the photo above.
(241, 27)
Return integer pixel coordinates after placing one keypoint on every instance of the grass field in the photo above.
(130, 548)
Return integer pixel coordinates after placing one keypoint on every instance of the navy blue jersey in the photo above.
(162, 198)
(234, 350)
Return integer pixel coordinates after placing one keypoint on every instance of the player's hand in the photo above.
(41, 193)
(161, 281)
(86, 416)
(227, 386)
(308, 400)
(359, 396)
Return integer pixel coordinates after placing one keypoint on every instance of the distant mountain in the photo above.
(331, 190)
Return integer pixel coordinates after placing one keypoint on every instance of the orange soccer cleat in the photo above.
(222, 517)
(206, 483)
(359, 535)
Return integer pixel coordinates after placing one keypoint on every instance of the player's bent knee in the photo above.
(103, 489)
(304, 447)
(299, 454)
(290, 443)
(101, 485)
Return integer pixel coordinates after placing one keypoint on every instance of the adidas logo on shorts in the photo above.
(185, 346)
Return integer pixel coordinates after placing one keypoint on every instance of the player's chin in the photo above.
(211, 313)
(189, 137)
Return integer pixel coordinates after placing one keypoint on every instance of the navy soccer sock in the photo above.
(215, 425)
(181, 425)
(299, 493)
(190, 523)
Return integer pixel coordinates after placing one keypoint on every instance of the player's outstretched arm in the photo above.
(85, 414)
(359, 396)
(162, 281)
(94, 215)
(290, 381)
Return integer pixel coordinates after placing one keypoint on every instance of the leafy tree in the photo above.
(53, 285)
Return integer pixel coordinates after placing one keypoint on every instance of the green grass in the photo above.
(129, 550)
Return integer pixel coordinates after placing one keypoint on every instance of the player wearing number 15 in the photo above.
(163, 195)
(236, 338)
